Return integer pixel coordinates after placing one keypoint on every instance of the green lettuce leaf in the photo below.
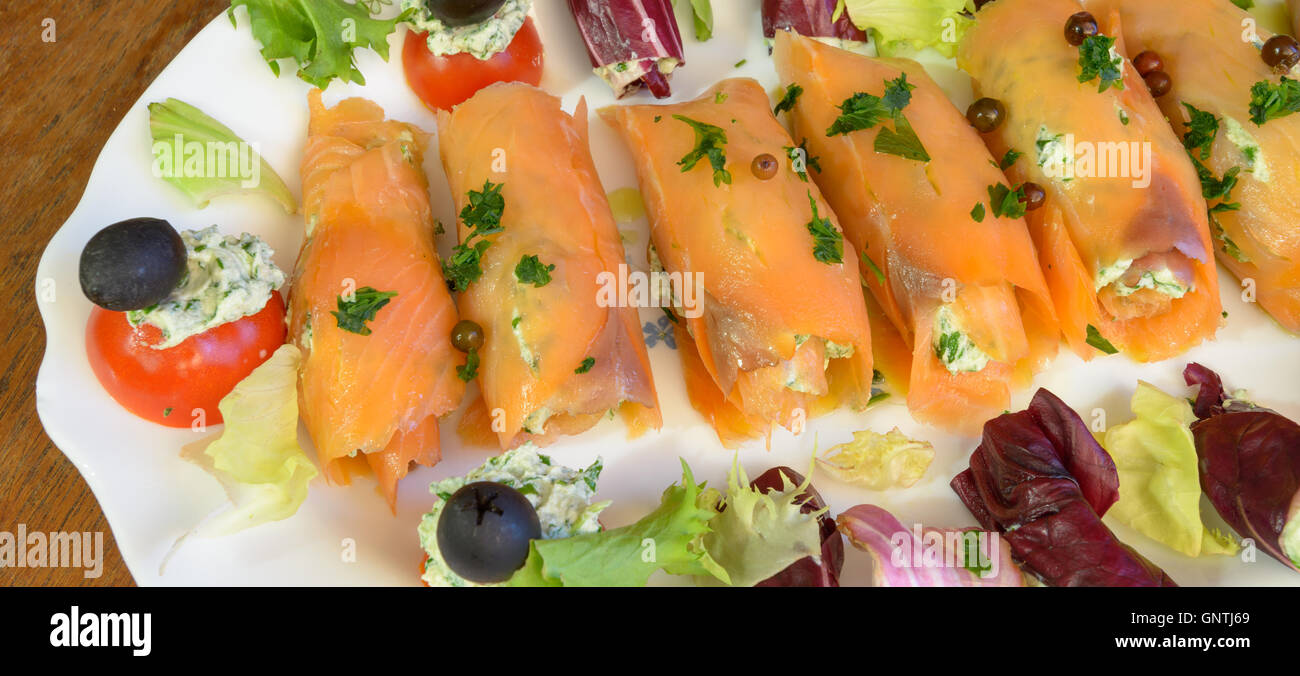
(671, 539)
(760, 533)
(256, 457)
(1159, 485)
(175, 124)
(910, 25)
(320, 35)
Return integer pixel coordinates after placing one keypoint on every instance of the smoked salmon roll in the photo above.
(1122, 234)
(538, 244)
(955, 273)
(1250, 161)
(368, 307)
(779, 330)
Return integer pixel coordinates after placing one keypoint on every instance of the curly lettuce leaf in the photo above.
(1159, 484)
(320, 35)
(256, 457)
(902, 25)
(758, 533)
(671, 538)
(879, 461)
(176, 125)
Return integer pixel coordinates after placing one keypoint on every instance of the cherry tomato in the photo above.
(166, 386)
(442, 82)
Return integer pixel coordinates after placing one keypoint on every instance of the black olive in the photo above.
(132, 264)
(1034, 196)
(1159, 83)
(463, 12)
(466, 336)
(986, 114)
(764, 166)
(1080, 27)
(1148, 62)
(484, 531)
(1281, 53)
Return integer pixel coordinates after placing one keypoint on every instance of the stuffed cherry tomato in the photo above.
(448, 59)
(181, 318)
(170, 386)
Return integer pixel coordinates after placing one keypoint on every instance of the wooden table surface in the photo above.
(62, 99)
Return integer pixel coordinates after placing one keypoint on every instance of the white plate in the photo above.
(151, 496)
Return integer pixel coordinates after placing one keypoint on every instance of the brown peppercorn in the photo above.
(764, 166)
(1148, 62)
(1159, 83)
(1080, 27)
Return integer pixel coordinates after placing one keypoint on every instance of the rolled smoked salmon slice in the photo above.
(1213, 70)
(1123, 235)
(556, 358)
(375, 396)
(967, 296)
(779, 331)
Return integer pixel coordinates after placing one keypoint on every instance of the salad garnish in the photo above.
(903, 26)
(178, 129)
(879, 461)
(312, 33)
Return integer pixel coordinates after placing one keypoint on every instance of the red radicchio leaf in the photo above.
(1249, 462)
(1041, 479)
(631, 42)
(806, 572)
(810, 18)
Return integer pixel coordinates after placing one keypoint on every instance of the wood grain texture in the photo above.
(61, 101)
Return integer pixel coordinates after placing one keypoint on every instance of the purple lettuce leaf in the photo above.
(810, 18)
(632, 43)
(1041, 479)
(808, 571)
(1249, 465)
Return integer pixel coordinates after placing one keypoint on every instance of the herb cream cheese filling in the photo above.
(484, 40)
(226, 279)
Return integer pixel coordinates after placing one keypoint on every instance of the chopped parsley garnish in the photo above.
(1244, 4)
(828, 243)
(875, 269)
(168, 411)
(977, 214)
(801, 160)
(482, 215)
(787, 101)
(1229, 247)
(1096, 340)
(1201, 131)
(1009, 159)
(709, 141)
(470, 369)
(864, 111)
(530, 270)
(1096, 62)
(1270, 101)
(1005, 202)
(585, 365)
(741, 63)
(353, 314)
(901, 141)
(720, 97)
(858, 112)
